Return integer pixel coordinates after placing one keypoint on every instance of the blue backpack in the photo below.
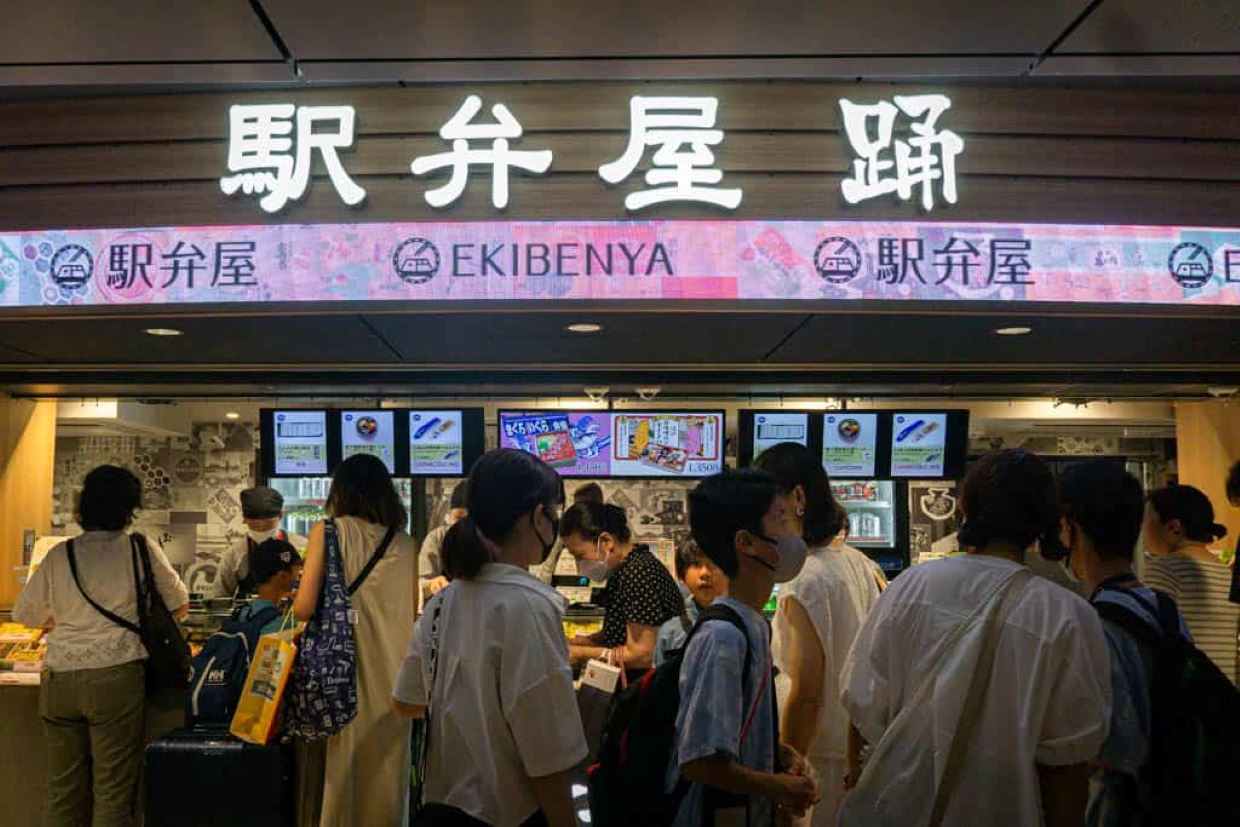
(217, 673)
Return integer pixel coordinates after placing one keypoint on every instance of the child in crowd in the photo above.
(726, 728)
(275, 567)
(702, 583)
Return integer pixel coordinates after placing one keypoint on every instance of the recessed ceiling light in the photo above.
(232, 415)
(585, 327)
(162, 331)
(1013, 331)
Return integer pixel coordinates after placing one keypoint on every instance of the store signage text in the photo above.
(639, 260)
(271, 149)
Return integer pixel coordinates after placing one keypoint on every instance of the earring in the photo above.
(800, 511)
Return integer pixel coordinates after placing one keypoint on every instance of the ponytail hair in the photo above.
(1192, 508)
(592, 520)
(504, 486)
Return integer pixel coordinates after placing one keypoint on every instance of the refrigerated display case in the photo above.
(305, 498)
(876, 520)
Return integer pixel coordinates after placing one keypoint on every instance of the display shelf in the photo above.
(866, 503)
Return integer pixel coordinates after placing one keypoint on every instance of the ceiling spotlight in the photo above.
(162, 331)
(648, 394)
(1013, 331)
(584, 327)
(232, 415)
(597, 394)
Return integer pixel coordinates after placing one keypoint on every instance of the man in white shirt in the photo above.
(262, 509)
(1040, 709)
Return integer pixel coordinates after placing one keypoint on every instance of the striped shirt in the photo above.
(1200, 590)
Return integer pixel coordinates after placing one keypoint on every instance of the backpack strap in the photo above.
(372, 562)
(112, 616)
(1132, 623)
(727, 614)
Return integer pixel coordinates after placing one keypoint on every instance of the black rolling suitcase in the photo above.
(208, 778)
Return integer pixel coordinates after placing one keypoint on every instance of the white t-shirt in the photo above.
(1048, 700)
(837, 587)
(504, 709)
(82, 638)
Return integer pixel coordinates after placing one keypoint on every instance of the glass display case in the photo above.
(876, 520)
(305, 497)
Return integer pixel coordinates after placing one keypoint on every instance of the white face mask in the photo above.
(260, 536)
(596, 570)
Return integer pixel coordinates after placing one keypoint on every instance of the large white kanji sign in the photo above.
(683, 129)
(270, 148)
(888, 165)
(500, 157)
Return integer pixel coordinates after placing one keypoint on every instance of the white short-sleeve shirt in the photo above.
(503, 709)
(1048, 699)
(82, 638)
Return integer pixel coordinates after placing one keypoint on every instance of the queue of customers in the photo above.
(966, 692)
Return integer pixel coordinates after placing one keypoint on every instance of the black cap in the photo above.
(271, 557)
(261, 503)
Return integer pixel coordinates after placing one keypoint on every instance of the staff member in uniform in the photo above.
(640, 596)
(262, 509)
(430, 557)
(591, 492)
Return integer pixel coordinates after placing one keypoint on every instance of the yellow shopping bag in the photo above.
(258, 711)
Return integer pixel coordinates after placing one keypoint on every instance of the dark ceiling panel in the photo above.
(398, 29)
(540, 339)
(970, 340)
(130, 31)
(227, 340)
(1136, 26)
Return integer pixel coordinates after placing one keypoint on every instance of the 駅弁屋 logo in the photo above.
(1191, 264)
(837, 260)
(416, 260)
(72, 266)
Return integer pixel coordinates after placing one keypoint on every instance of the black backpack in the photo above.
(628, 782)
(217, 674)
(1195, 727)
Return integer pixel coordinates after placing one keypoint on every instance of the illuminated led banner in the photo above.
(624, 260)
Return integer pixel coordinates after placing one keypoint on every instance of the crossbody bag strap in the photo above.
(372, 562)
(113, 617)
(1013, 588)
(424, 752)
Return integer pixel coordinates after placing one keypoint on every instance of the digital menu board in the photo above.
(436, 443)
(772, 428)
(918, 444)
(369, 432)
(850, 445)
(619, 443)
(299, 442)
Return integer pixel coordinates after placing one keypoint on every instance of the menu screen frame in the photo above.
(385, 419)
(267, 447)
(473, 440)
(508, 414)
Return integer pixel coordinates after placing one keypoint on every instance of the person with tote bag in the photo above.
(358, 595)
(984, 691)
(488, 669)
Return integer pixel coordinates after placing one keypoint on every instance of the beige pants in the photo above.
(94, 724)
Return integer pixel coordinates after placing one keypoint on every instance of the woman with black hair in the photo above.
(489, 660)
(367, 763)
(640, 595)
(1178, 531)
(819, 614)
(985, 691)
(92, 695)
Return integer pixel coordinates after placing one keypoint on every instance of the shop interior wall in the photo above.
(27, 435)
(1113, 154)
(1208, 443)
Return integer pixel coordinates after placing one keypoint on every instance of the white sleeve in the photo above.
(225, 584)
(865, 679)
(1078, 714)
(34, 604)
(411, 681)
(537, 696)
(167, 581)
(430, 555)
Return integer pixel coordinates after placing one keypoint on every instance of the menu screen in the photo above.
(369, 432)
(770, 429)
(618, 444)
(850, 444)
(300, 442)
(918, 444)
(436, 443)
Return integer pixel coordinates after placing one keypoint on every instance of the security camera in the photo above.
(597, 394)
(1222, 392)
(648, 394)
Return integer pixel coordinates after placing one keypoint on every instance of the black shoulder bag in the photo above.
(168, 657)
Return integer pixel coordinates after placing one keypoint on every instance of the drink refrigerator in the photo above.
(877, 520)
(305, 498)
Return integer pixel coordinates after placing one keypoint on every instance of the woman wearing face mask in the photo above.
(488, 658)
(1178, 530)
(820, 612)
(640, 596)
